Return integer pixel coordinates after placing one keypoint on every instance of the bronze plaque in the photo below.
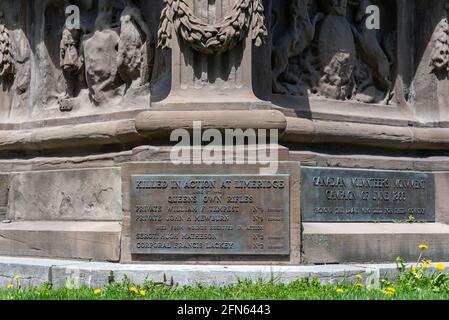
(205, 215)
(349, 195)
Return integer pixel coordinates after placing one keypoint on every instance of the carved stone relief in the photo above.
(329, 52)
(211, 44)
(72, 65)
(15, 69)
(440, 46)
(319, 49)
(135, 50)
(114, 60)
(245, 16)
(101, 54)
(6, 55)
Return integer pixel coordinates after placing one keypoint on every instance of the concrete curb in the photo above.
(35, 272)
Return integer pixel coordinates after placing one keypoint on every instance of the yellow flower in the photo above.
(360, 285)
(143, 293)
(440, 266)
(17, 277)
(423, 247)
(388, 293)
(10, 286)
(426, 265)
(134, 290)
(392, 290)
(97, 291)
(359, 276)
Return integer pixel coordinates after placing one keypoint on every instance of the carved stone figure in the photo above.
(336, 51)
(101, 56)
(338, 57)
(6, 56)
(135, 49)
(289, 43)
(377, 56)
(72, 66)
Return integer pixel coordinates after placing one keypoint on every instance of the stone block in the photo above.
(98, 241)
(91, 194)
(373, 242)
(441, 200)
(32, 272)
(96, 275)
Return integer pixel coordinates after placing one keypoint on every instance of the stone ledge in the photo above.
(164, 122)
(98, 241)
(36, 271)
(301, 130)
(159, 124)
(372, 242)
(75, 135)
(95, 274)
(33, 272)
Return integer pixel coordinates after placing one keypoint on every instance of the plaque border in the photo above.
(305, 219)
(287, 252)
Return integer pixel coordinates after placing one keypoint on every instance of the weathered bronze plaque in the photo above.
(220, 215)
(333, 195)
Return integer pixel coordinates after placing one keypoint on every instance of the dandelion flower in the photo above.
(388, 293)
(143, 293)
(359, 276)
(440, 266)
(97, 291)
(390, 289)
(360, 285)
(10, 286)
(134, 290)
(426, 265)
(423, 247)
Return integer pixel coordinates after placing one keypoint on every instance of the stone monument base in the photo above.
(80, 208)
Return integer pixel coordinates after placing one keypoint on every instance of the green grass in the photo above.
(417, 282)
(305, 289)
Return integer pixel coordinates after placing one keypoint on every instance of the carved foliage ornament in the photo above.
(439, 58)
(245, 15)
(6, 55)
(440, 51)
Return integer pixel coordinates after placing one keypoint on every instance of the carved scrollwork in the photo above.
(245, 15)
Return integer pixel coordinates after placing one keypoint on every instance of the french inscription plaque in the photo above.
(213, 214)
(348, 195)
